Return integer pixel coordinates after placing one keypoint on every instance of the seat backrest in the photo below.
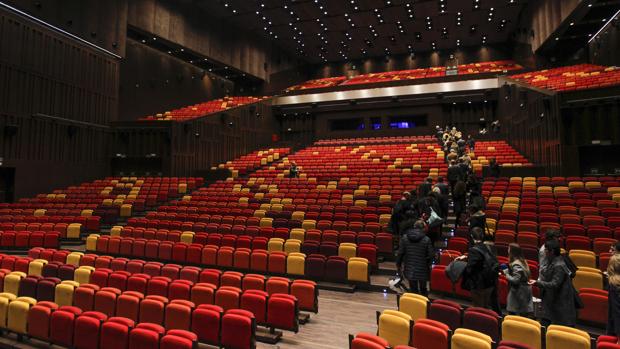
(394, 328)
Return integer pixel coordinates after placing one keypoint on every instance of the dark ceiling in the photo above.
(337, 30)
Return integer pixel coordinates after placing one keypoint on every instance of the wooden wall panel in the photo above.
(541, 19)
(103, 23)
(605, 50)
(190, 26)
(153, 82)
(47, 73)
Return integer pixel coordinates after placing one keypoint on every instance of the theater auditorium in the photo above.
(296, 174)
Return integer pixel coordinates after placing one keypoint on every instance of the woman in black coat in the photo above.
(459, 198)
(416, 252)
(558, 295)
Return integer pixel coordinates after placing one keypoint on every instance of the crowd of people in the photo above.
(417, 222)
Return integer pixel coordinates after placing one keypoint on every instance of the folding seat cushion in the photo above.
(414, 305)
(430, 334)
(482, 320)
(368, 341)
(158, 286)
(446, 312)
(464, 338)
(282, 312)
(255, 301)
(394, 327)
(306, 293)
(87, 328)
(522, 330)
(12, 282)
(62, 326)
(595, 306)
(18, 310)
(227, 297)
(277, 285)
(84, 297)
(128, 306)
(152, 310)
(206, 321)
(170, 341)
(140, 338)
(336, 269)
(558, 337)
(28, 286)
(276, 262)
(39, 318)
(36, 267)
(171, 271)
(115, 333)
(358, 270)
(238, 328)
(105, 302)
(178, 316)
(46, 289)
(231, 278)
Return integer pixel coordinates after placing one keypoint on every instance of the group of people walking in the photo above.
(417, 221)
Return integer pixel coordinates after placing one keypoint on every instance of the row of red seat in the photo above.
(376, 140)
(106, 267)
(572, 78)
(203, 109)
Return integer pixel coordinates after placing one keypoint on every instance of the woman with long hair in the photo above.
(518, 273)
(613, 272)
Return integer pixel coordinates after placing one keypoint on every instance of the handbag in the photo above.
(454, 270)
(434, 219)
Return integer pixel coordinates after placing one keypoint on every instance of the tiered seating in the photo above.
(202, 109)
(522, 209)
(97, 313)
(66, 213)
(572, 78)
(254, 161)
(414, 74)
(377, 140)
(317, 83)
(121, 273)
(423, 324)
(504, 154)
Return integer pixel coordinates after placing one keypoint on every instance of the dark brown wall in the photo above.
(185, 23)
(185, 148)
(103, 23)
(42, 72)
(530, 122)
(605, 50)
(421, 60)
(153, 82)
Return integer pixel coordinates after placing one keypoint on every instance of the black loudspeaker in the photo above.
(71, 131)
(10, 130)
(506, 91)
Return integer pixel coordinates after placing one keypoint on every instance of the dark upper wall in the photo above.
(188, 25)
(103, 23)
(154, 82)
(56, 96)
(421, 60)
(605, 50)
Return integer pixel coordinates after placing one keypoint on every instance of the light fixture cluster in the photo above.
(378, 15)
(443, 7)
(429, 23)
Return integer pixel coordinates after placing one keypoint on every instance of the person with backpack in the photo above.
(517, 274)
(482, 271)
(559, 298)
(416, 252)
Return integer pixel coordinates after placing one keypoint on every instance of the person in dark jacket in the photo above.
(517, 274)
(494, 168)
(442, 200)
(424, 207)
(476, 199)
(477, 218)
(398, 212)
(425, 187)
(454, 175)
(471, 142)
(558, 295)
(479, 277)
(443, 187)
(459, 199)
(416, 252)
(613, 302)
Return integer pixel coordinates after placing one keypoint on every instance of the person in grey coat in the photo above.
(416, 252)
(557, 292)
(518, 274)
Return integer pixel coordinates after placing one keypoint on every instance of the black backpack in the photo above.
(490, 268)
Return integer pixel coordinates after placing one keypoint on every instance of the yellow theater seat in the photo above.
(82, 274)
(561, 337)
(74, 230)
(116, 230)
(298, 215)
(266, 222)
(12, 281)
(395, 327)
(347, 250)
(187, 237)
(40, 212)
(125, 210)
(63, 294)
(36, 267)
(74, 258)
(295, 264)
(18, 314)
(292, 246)
(522, 330)
(86, 213)
(357, 270)
(297, 234)
(308, 224)
(91, 242)
(414, 305)
(275, 245)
